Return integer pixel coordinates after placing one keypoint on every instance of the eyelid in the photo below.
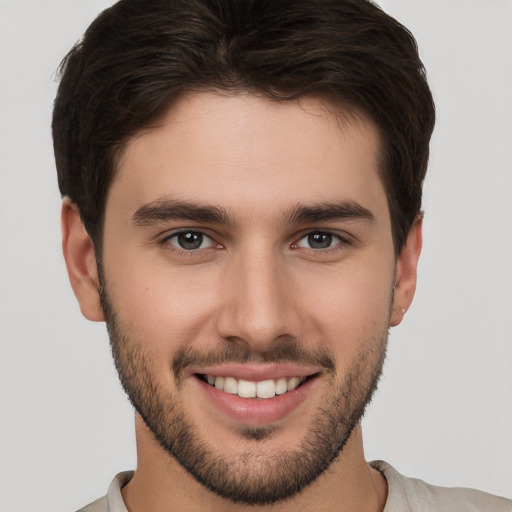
(343, 240)
(172, 234)
(343, 237)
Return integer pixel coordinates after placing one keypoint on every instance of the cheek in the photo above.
(162, 308)
(351, 306)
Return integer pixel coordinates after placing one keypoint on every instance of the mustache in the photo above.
(289, 351)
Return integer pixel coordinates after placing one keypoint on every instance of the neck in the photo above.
(160, 483)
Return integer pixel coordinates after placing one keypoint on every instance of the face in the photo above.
(247, 283)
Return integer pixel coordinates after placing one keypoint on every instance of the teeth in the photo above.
(266, 389)
(219, 382)
(230, 385)
(248, 389)
(281, 386)
(293, 383)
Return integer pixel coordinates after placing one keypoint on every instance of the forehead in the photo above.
(249, 154)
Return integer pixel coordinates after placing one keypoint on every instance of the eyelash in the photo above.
(331, 238)
(167, 241)
(340, 244)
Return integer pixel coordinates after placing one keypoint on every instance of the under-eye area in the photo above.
(248, 389)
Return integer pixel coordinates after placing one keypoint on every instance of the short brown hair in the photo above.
(140, 55)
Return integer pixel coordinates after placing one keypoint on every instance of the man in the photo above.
(242, 186)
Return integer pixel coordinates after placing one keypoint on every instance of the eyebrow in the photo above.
(329, 212)
(165, 209)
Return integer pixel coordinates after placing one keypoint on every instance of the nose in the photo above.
(259, 307)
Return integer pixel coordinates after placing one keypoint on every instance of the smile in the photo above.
(247, 389)
(255, 394)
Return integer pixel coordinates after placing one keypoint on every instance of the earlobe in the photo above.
(406, 273)
(80, 260)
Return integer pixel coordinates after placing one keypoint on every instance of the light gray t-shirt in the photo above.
(404, 495)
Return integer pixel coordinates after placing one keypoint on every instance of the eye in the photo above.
(319, 240)
(190, 240)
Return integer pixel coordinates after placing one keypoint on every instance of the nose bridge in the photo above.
(257, 307)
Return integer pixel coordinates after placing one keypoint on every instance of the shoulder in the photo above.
(413, 495)
(113, 501)
(100, 505)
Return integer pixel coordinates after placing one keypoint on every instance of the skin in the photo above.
(256, 282)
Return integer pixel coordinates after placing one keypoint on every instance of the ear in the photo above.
(406, 272)
(80, 259)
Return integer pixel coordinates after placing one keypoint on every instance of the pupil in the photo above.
(320, 240)
(190, 240)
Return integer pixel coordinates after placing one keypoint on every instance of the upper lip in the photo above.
(256, 372)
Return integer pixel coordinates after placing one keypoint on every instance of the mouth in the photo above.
(263, 389)
(255, 395)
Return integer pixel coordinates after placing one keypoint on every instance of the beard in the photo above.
(253, 477)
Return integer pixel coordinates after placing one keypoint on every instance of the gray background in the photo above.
(444, 409)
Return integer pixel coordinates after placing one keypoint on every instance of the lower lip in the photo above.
(257, 411)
